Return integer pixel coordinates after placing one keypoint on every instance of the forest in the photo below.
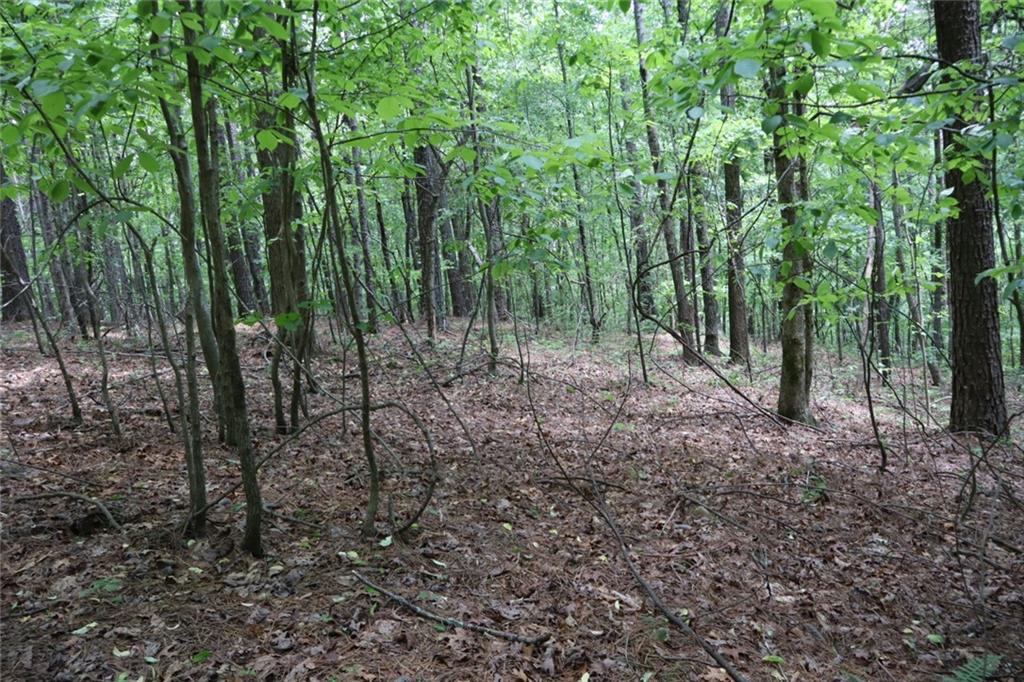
(512, 340)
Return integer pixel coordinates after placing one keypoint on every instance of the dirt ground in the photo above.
(786, 548)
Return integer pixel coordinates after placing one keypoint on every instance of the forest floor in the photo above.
(786, 548)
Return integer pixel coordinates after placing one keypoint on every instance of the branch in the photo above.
(75, 496)
(452, 622)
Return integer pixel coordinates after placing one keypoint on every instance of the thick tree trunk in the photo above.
(979, 400)
(16, 304)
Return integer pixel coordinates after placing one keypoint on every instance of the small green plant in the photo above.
(976, 669)
(102, 586)
(816, 490)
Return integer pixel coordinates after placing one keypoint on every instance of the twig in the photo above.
(452, 622)
(75, 496)
(54, 472)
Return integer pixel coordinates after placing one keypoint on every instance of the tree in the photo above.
(979, 401)
(15, 301)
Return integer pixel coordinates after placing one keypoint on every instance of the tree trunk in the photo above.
(429, 188)
(911, 283)
(241, 273)
(707, 276)
(794, 382)
(397, 306)
(16, 304)
(682, 305)
(979, 400)
(878, 315)
(204, 122)
(581, 226)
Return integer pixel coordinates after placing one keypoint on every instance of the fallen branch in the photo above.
(452, 622)
(75, 496)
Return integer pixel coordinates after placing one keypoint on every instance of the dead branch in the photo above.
(75, 496)
(452, 622)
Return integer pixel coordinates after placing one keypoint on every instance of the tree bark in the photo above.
(16, 304)
(204, 122)
(794, 381)
(979, 399)
(682, 306)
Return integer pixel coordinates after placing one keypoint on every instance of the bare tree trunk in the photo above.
(204, 122)
(16, 304)
(682, 304)
(794, 381)
(911, 283)
(878, 313)
(979, 396)
(429, 189)
(581, 226)
(397, 305)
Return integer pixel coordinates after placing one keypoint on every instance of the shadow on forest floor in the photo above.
(785, 548)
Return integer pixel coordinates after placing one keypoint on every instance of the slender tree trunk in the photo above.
(397, 305)
(878, 316)
(363, 235)
(429, 189)
(912, 283)
(241, 273)
(355, 326)
(707, 276)
(979, 399)
(204, 122)
(794, 382)
(581, 226)
(682, 304)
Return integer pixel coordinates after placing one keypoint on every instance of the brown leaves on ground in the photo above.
(783, 547)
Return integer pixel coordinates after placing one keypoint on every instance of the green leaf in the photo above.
(267, 139)
(53, 104)
(201, 656)
(775, 660)
(288, 321)
(121, 167)
(771, 123)
(747, 68)
(624, 5)
(392, 106)
(159, 24)
(148, 162)
(531, 161)
(270, 26)
(10, 134)
(820, 43)
(289, 100)
(821, 9)
(59, 191)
